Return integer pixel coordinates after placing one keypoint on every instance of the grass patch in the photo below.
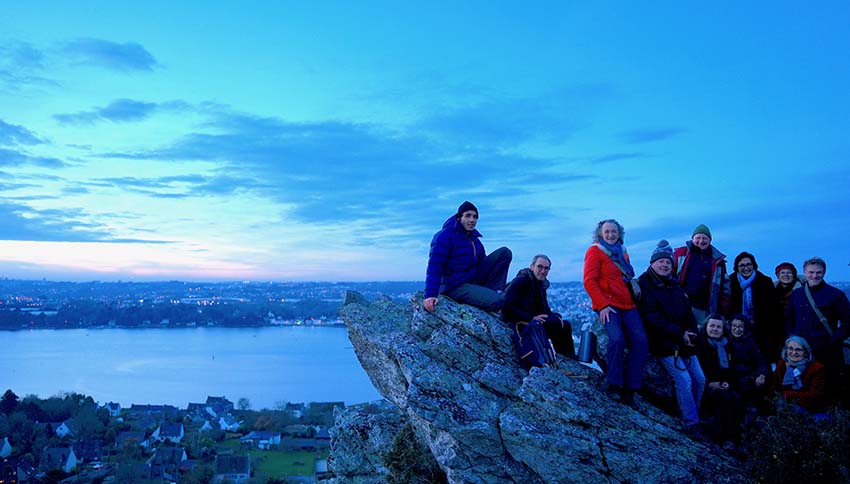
(271, 463)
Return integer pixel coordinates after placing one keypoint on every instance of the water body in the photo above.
(267, 365)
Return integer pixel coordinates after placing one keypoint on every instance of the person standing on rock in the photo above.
(820, 313)
(672, 332)
(526, 300)
(701, 270)
(458, 267)
(607, 279)
(753, 295)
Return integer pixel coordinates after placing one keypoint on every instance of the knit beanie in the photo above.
(702, 229)
(662, 251)
(465, 207)
(786, 265)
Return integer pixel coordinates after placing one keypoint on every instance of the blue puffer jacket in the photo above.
(453, 259)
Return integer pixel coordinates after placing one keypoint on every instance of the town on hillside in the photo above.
(71, 438)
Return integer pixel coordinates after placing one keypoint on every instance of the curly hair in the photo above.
(597, 233)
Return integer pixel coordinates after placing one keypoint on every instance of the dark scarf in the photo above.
(747, 293)
(720, 346)
(795, 381)
(618, 255)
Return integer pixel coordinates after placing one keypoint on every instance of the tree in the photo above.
(243, 404)
(9, 402)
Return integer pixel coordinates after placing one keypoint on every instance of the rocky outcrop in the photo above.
(455, 378)
(360, 436)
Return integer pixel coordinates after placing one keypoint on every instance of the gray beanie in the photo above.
(662, 251)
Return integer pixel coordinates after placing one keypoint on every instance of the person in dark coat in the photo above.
(753, 295)
(458, 267)
(786, 281)
(825, 338)
(722, 405)
(526, 300)
(800, 379)
(748, 363)
(672, 331)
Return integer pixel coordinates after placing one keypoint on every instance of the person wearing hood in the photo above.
(459, 268)
(672, 332)
(753, 296)
(786, 281)
(526, 300)
(800, 379)
(748, 363)
(607, 279)
(701, 270)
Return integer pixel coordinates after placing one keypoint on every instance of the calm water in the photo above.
(177, 366)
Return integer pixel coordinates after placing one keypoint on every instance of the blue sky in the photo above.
(325, 141)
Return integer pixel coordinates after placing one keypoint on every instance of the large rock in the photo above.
(360, 436)
(455, 377)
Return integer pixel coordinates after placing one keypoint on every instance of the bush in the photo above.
(409, 461)
(793, 447)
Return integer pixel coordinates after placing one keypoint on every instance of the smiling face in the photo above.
(786, 276)
(795, 352)
(701, 240)
(610, 232)
(469, 220)
(737, 328)
(746, 267)
(662, 267)
(814, 274)
(714, 328)
(540, 268)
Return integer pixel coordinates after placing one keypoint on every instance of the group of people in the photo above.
(729, 341)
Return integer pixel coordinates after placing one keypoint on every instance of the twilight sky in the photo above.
(323, 141)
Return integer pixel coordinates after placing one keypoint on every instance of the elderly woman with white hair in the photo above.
(800, 379)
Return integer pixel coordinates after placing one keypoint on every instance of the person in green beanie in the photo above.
(701, 270)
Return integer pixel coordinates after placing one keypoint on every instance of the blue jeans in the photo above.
(625, 330)
(688, 383)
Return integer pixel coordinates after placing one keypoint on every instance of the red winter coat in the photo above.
(812, 396)
(604, 282)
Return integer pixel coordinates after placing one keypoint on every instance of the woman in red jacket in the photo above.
(607, 279)
(799, 378)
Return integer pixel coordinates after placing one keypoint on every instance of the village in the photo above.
(71, 438)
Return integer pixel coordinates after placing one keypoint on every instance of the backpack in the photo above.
(532, 345)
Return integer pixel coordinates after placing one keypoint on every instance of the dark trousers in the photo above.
(492, 278)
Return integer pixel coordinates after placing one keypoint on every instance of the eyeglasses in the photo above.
(794, 350)
(745, 264)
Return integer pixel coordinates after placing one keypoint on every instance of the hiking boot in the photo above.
(627, 397)
(613, 392)
(695, 432)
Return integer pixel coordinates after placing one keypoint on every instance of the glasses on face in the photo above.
(542, 268)
(794, 350)
(745, 264)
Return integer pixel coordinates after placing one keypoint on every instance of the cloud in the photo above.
(327, 173)
(20, 64)
(615, 157)
(648, 135)
(119, 111)
(21, 222)
(125, 57)
(12, 158)
(12, 134)
(503, 123)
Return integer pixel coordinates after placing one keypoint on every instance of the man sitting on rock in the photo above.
(458, 268)
(525, 300)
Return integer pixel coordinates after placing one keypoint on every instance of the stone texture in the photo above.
(454, 376)
(360, 436)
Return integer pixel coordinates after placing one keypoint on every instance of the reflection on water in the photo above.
(177, 366)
